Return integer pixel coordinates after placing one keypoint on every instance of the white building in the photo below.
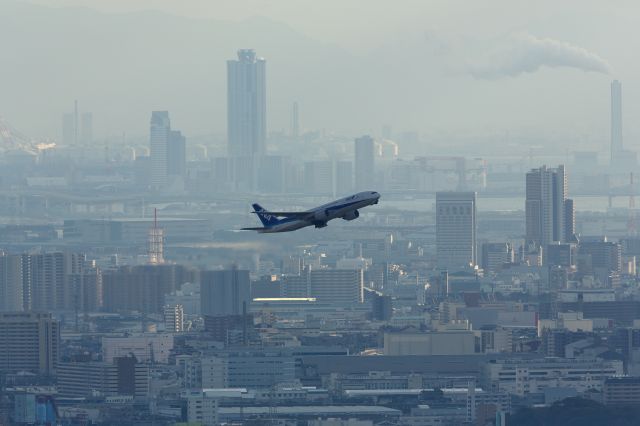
(456, 230)
(174, 318)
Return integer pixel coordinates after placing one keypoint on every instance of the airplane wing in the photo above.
(297, 215)
(252, 229)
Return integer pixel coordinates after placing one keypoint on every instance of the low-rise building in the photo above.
(439, 343)
(523, 377)
(122, 377)
(621, 391)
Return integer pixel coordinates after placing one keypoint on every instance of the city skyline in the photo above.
(448, 188)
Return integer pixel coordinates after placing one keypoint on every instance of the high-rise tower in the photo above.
(160, 132)
(246, 105)
(456, 247)
(616, 121)
(549, 214)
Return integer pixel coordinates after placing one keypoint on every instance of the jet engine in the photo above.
(321, 216)
(351, 215)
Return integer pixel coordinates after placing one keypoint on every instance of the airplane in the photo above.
(345, 208)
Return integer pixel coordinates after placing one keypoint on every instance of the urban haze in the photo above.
(306, 213)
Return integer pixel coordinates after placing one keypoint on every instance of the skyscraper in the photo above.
(246, 105)
(616, 121)
(549, 214)
(456, 230)
(160, 132)
(364, 163)
(176, 154)
(10, 283)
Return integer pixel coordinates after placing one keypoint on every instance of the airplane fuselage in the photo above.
(345, 208)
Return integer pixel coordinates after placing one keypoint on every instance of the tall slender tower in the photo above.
(246, 105)
(616, 120)
(160, 132)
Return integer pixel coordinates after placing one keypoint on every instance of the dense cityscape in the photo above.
(481, 290)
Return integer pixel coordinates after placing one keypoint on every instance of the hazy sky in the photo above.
(444, 67)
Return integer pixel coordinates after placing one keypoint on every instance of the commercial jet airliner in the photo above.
(345, 208)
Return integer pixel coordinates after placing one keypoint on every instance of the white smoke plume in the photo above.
(524, 53)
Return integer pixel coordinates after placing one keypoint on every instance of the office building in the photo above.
(11, 298)
(296, 285)
(176, 155)
(602, 259)
(522, 377)
(252, 369)
(159, 137)
(125, 376)
(616, 121)
(34, 409)
(560, 254)
(621, 391)
(456, 230)
(381, 307)
(337, 286)
(364, 163)
(549, 215)
(437, 343)
(29, 341)
(495, 256)
(246, 105)
(173, 318)
(225, 292)
(229, 329)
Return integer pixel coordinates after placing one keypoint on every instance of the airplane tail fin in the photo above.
(266, 219)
